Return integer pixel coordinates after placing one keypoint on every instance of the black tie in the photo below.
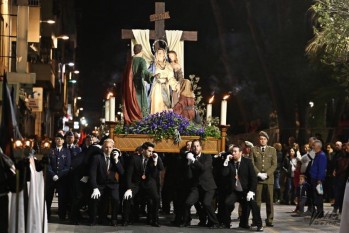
(237, 164)
(145, 161)
(107, 162)
(263, 149)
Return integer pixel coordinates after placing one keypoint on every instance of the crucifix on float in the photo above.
(159, 33)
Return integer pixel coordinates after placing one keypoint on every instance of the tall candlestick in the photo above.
(224, 112)
(209, 110)
(107, 110)
(112, 108)
(209, 113)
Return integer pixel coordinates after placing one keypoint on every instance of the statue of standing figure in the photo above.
(160, 95)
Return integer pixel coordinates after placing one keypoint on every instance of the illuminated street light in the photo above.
(76, 72)
(49, 21)
(79, 97)
(73, 81)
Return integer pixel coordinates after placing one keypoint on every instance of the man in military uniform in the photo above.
(75, 192)
(265, 162)
(58, 169)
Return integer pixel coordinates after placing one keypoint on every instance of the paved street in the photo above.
(283, 222)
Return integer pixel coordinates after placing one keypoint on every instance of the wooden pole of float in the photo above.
(111, 125)
(224, 129)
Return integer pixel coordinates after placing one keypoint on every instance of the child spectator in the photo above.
(302, 194)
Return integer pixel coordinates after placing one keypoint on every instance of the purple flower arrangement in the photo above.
(165, 125)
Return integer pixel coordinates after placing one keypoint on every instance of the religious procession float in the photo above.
(159, 103)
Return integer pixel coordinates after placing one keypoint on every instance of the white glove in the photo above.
(219, 154)
(250, 196)
(96, 194)
(226, 162)
(190, 157)
(128, 194)
(263, 176)
(155, 158)
(116, 153)
(55, 178)
(84, 179)
(13, 169)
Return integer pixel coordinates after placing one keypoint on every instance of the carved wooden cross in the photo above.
(159, 33)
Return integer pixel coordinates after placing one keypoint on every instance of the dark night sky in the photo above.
(225, 56)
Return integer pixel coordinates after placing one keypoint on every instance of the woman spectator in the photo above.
(290, 164)
(277, 188)
(341, 175)
(329, 182)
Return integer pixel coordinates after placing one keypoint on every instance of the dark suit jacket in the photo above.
(100, 177)
(201, 173)
(134, 171)
(246, 173)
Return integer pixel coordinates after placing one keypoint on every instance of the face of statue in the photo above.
(160, 55)
(172, 57)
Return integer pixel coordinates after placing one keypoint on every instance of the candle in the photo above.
(107, 110)
(112, 109)
(224, 106)
(209, 111)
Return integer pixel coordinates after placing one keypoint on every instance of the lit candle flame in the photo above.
(47, 145)
(210, 101)
(27, 143)
(226, 97)
(18, 143)
(110, 94)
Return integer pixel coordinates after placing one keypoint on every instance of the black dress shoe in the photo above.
(269, 224)
(225, 225)
(175, 223)
(202, 224)
(214, 226)
(114, 223)
(184, 225)
(244, 226)
(155, 224)
(260, 228)
(74, 223)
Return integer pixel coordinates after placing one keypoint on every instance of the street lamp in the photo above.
(49, 21)
(55, 39)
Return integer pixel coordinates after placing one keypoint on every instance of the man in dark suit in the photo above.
(241, 187)
(58, 169)
(141, 182)
(105, 171)
(202, 185)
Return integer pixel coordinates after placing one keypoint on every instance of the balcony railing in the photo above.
(34, 2)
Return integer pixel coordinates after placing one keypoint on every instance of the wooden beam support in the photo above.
(126, 34)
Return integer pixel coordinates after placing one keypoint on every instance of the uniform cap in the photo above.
(249, 144)
(264, 134)
(69, 134)
(59, 135)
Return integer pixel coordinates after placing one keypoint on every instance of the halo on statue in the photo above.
(159, 44)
